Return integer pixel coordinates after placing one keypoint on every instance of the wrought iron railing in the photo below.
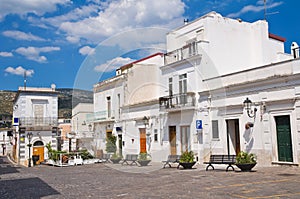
(182, 53)
(177, 101)
(38, 121)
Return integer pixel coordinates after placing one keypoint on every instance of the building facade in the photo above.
(82, 135)
(224, 86)
(35, 120)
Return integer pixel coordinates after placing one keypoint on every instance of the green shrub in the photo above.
(144, 156)
(244, 157)
(187, 156)
(111, 146)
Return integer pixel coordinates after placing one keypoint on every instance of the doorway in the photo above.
(143, 140)
(120, 144)
(233, 137)
(172, 139)
(38, 149)
(284, 139)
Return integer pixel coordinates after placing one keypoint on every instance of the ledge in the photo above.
(285, 163)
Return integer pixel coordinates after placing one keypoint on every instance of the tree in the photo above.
(111, 146)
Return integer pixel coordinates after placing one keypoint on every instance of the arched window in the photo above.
(38, 143)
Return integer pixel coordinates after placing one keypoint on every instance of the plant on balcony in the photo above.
(144, 159)
(187, 160)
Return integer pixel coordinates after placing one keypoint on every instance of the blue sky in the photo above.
(77, 43)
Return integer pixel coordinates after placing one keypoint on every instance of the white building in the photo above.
(82, 130)
(35, 117)
(211, 66)
(120, 103)
(195, 101)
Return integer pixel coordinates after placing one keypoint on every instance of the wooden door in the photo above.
(39, 150)
(284, 140)
(172, 139)
(237, 137)
(143, 140)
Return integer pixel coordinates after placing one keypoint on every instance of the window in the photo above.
(183, 88)
(170, 86)
(185, 138)
(215, 129)
(108, 107)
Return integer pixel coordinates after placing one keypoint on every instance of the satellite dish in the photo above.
(295, 49)
(53, 86)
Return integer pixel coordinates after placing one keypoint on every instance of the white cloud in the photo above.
(33, 53)
(74, 15)
(85, 50)
(73, 39)
(254, 8)
(24, 7)
(123, 15)
(113, 64)
(19, 71)
(6, 54)
(18, 35)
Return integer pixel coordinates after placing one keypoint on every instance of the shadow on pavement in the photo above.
(5, 167)
(25, 188)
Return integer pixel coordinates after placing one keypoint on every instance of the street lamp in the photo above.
(29, 136)
(247, 104)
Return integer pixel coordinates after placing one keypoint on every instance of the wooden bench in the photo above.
(221, 159)
(130, 158)
(171, 159)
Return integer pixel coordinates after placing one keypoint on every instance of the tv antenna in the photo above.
(25, 80)
(265, 11)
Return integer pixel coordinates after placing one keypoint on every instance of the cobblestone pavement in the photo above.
(116, 181)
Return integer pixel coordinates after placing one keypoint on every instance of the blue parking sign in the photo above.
(198, 124)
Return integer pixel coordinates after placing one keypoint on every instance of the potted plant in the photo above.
(187, 160)
(245, 161)
(115, 158)
(144, 159)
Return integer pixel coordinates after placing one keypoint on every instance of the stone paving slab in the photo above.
(116, 181)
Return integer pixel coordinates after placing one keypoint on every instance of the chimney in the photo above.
(186, 21)
(295, 49)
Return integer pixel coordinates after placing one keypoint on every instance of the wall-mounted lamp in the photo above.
(90, 127)
(248, 104)
(146, 121)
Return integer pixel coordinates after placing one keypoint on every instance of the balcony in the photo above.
(38, 121)
(184, 100)
(185, 52)
(100, 116)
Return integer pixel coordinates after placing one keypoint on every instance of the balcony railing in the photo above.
(182, 53)
(177, 101)
(38, 121)
(100, 116)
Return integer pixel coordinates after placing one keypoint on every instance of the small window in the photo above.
(215, 129)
